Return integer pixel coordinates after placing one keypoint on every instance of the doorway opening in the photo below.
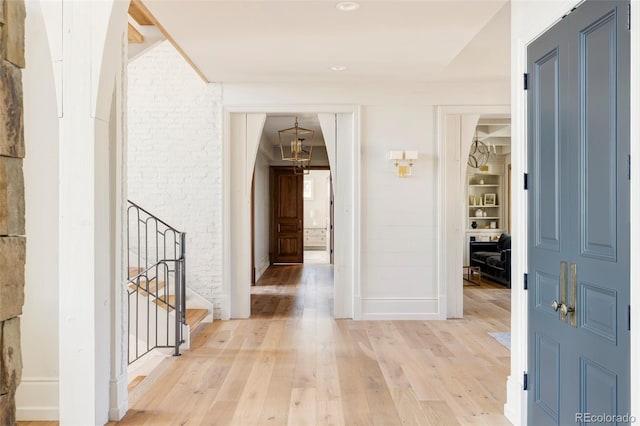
(292, 214)
(456, 131)
(487, 243)
(317, 203)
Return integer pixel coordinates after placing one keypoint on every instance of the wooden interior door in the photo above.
(287, 215)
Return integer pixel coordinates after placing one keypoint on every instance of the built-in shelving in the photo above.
(484, 191)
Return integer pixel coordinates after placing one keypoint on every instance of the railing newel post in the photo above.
(178, 325)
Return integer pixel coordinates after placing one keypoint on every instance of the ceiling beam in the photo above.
(147, 12)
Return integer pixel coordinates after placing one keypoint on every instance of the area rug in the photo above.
(504, 337)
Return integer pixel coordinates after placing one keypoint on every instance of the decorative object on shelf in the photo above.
(294, 149)
(472, 200)
(489, 199)
(492, 225)
(474, 225)
(404, 161)
(479, 213)
(484, 213)
(478, 153)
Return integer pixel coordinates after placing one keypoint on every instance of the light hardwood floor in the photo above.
(293, 364)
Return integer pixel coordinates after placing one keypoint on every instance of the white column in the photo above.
(37, 395)
(86, 269)
(245, 133)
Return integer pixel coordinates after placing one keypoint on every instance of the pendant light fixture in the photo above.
(296, 146)
(478, 153)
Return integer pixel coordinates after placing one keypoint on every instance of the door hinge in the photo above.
(525, 381)
(526, 81)
(526, 281)
(629, 318)
(526, 181)
(629, 17)
(629, 167)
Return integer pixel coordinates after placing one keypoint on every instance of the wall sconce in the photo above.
(403, 160)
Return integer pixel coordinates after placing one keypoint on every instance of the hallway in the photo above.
(291, 363)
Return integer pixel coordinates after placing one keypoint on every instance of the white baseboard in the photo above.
(118, 398)
(262, 266)
(393, 308)
(37, 399)
(515, 407)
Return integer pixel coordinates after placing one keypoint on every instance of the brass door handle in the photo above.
(567, 311)
(564, 309)
(573, 288)
(563, 290)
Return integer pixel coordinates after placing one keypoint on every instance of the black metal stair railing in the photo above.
(156, 283)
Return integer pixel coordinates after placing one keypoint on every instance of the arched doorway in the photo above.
(243, 130)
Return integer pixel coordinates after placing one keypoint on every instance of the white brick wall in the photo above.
(175, 158)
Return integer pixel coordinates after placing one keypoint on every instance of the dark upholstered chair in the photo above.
(495, 263)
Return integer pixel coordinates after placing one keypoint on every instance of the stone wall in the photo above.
(12, 240)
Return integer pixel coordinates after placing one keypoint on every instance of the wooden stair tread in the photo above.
(154, 286)
(195, 317)
(135, 382)
(170, 298)
(135, 270)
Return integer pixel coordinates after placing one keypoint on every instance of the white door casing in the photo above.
(241, 135)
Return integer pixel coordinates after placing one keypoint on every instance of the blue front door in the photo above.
(578, 139)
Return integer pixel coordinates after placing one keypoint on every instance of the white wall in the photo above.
(261, 214)
(316, 211)
(37, 396)
(174, 158)
(398, 218)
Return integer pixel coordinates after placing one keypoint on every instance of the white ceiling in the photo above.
(298, 41)
(275, 122)
(494, 130)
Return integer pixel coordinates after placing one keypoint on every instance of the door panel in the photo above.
(598, 313)
(548, 141)
(598, 74)
(579, 214)
(598, 391)
(547, 393)
(287, 215)
(546, 290)
(547, 150)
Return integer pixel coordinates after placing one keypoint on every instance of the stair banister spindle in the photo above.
(157, 264)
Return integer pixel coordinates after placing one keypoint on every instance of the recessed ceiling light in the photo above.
(338, 68)
(348, 6)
